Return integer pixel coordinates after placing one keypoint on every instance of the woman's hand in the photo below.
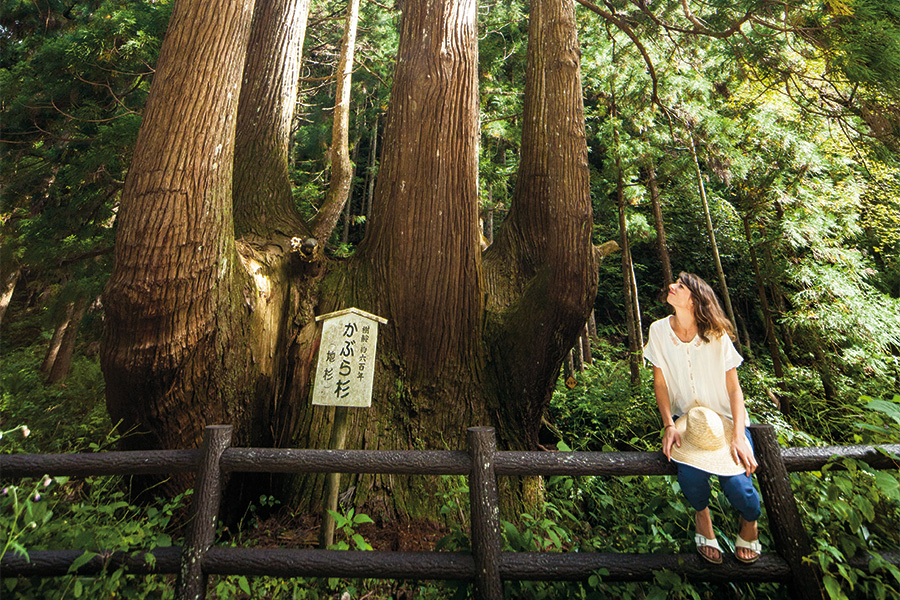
(742, 453)
(670, 437)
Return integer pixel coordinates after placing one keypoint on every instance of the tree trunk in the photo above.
(63, 359)
(370, 174)
(57, 338)
(723, 286)
(631, 310)
(419, 264)
(10, 278)
(199, 332)
(263, 203)
(771, 338)
(173, 354)
(586, 346)
(341, 165)
(661, 247)
(541, 271)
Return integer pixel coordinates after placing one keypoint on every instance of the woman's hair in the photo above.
(711, 319)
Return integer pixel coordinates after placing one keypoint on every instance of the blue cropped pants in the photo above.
(738, 489)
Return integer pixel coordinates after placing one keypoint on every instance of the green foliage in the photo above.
(66, 418)
(92, 514)
(852, 510)
(600, 414)
(346, 524)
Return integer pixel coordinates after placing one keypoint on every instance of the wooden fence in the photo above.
(486, 566)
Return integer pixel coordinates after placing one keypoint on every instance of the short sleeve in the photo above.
(730, 356)
(653, 350)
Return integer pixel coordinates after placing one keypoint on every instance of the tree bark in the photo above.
(341, 165)
(771, 338)
(62, 361)
(541, 271)
(10, 278)
(263, 203)
(204, 328)
(632, 313)
(56, 339)
(425, 210)
(723, 285)
(173, 358)
(661, 247)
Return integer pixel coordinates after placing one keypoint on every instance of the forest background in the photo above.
(762, 155)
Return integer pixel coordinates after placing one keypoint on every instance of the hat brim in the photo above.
(715, 462)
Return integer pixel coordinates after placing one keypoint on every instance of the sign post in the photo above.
(345, 372)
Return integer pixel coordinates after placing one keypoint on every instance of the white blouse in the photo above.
(695, 370)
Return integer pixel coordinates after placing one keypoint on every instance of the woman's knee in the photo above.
(742, 495)
(694, 485)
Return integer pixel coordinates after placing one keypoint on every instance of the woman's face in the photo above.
(679, 295)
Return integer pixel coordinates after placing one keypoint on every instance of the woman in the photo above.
(695, 365)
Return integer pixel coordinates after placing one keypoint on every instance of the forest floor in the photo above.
(287, 531)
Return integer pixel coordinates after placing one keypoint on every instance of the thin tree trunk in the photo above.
(637, 303)
(578, 356)
(723, 286)
(370, 175)
(63, 360)
(771, 336)
(348, 207)
(631, 313)
(56, 339)
(661, 247)
(9, 286)
(341, 165)
(592, 326)
(586, 346)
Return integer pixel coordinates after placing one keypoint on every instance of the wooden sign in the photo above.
(346, 366)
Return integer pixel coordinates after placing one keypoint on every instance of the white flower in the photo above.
(25, 431)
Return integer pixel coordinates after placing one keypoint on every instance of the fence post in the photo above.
(785, 526)
(191, 582)
(483, 499)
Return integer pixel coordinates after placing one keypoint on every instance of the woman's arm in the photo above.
(670, 434)
(740, 448)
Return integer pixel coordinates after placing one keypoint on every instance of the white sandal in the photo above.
(752, 545)
(704, 542)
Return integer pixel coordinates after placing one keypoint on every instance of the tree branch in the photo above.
(627, 31)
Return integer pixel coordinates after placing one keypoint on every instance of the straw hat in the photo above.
(706, 442)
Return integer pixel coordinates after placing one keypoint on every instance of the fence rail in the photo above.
(486, 566)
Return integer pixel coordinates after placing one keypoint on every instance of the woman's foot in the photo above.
(707, 547)
(747, 547)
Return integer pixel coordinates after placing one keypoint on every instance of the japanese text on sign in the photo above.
(346, 365)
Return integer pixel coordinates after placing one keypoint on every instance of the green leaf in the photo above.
(890, 409)
(888, 484)
(362, 518)
(833, 588)
(244, 584)
(81, 561)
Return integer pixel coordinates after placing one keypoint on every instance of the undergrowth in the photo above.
(849, 509)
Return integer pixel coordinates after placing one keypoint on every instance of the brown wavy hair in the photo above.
(711, 319)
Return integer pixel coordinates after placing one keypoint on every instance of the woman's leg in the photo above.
(745, 499)
(695, 487)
